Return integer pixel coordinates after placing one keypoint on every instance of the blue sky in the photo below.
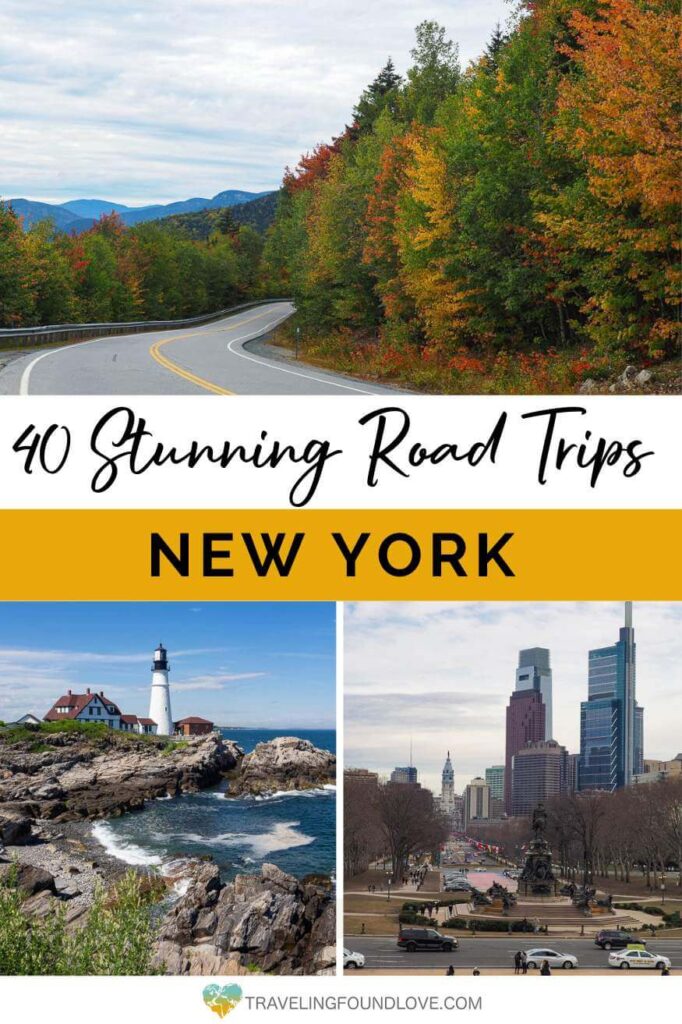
(441, 675)
(257, 664)
(151, 100)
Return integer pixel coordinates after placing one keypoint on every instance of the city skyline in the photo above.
(160, 102)
(253, 664)
(410, 668)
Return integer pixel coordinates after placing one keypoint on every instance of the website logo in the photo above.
(221, 999)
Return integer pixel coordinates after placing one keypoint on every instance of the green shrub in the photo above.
(491, 925)
(411, 918)
(116, 938)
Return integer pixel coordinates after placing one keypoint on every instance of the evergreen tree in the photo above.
(492, 52)
(381, 94)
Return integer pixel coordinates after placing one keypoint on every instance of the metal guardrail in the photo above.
(71, 332)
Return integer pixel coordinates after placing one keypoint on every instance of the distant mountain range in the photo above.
(78, 215)
(257, 214)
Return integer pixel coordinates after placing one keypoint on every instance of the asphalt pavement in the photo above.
(212, 359)
(381, 952)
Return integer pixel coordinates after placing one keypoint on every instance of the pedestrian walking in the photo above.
(450, 971)
(524, 963)
(544, 970)
(362, 928)
(517, 963)
(665, 970)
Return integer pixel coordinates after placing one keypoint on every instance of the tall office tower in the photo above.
(404, 775)
(525, 723)
(447, 788)
(476, 801)
(611, 721)
(534, 673)
(573, 778)
(494, 776)
(539, 771)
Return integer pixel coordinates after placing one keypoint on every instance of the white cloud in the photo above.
(439, 675)
(215, 682)
(170, 98)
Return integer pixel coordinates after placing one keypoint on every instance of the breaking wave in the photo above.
(129, 853)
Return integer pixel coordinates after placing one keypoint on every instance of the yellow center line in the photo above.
(180, 371)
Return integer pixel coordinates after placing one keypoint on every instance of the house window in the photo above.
(89, 711)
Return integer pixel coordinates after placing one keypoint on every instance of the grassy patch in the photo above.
(373, 925)
(172, 745)
(12, 734)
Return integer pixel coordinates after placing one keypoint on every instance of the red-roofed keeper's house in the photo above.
(96, 707)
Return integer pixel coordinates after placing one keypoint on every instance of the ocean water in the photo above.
(294, 830)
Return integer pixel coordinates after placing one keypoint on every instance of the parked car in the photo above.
(353, 960)
(535, 958)
(413, 939)
(639, 959)
(614, 939)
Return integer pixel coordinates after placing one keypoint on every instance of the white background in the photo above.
(511, 483)
(563, 1000)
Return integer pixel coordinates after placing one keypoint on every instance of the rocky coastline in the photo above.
(285, 763)
(53, 787)
(268, 923)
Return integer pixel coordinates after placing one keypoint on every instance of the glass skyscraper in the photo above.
(611, 721)
(494, 776)
(534, 673)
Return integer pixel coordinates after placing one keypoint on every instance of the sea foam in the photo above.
(129, 853)
(282, 836)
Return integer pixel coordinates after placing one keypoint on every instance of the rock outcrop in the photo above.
(79, 777)
(28, 878)
(269, 922)
(281, 764)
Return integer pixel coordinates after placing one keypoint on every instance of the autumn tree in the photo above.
(617, 224)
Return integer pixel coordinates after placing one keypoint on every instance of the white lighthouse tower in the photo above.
(159, 702)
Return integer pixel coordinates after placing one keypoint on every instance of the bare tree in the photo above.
(410, 824)
(363, 840)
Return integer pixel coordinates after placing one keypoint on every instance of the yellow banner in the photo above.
(339, 555)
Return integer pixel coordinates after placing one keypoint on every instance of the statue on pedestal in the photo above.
(537, 876)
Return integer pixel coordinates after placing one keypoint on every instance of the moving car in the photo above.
(614, 939)
(638, 958)
(353, 960)
(412, 939)
(536, 957)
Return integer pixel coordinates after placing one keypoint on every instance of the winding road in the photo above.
(213, 359)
